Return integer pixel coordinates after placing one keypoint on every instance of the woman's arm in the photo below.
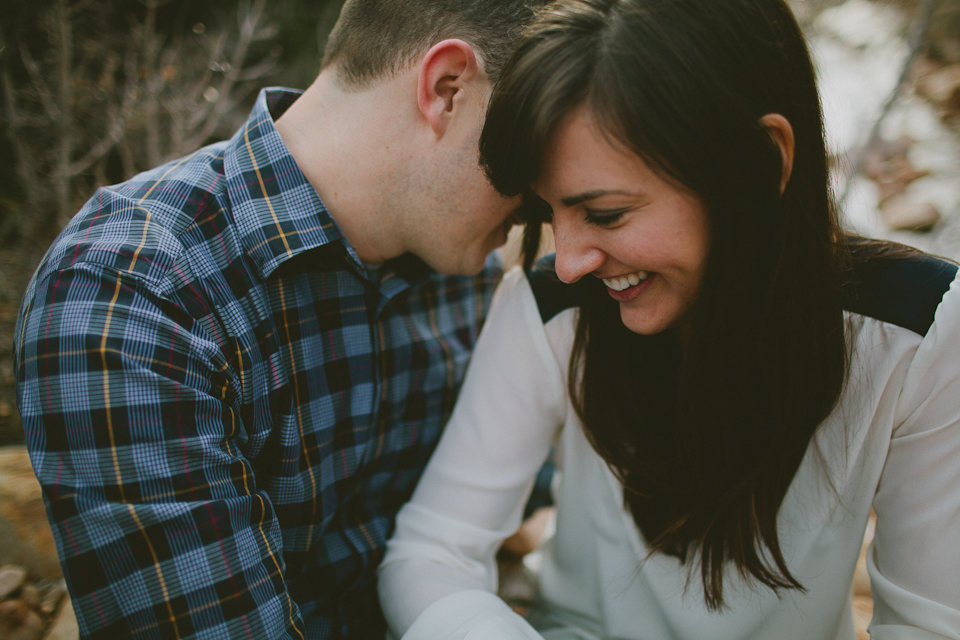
(439, 576)
(914, 562)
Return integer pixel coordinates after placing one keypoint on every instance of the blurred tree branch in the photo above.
(130, 84)
(87, 99)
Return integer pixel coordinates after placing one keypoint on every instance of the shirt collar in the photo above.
(278, 213)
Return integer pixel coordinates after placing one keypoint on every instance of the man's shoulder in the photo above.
(143, 225)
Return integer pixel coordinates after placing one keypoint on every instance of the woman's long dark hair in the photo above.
(705, 434)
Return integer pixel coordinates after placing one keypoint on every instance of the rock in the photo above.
(51, 594)
(65, 626)
(860, 23)
(11, 579)
(903, 214)
(27, 540)
(19, 622)
(30, 596)
(886, 164)
(941, 87)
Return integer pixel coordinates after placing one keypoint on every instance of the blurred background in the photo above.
(92, 92)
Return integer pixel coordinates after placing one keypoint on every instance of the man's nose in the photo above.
(577, 255)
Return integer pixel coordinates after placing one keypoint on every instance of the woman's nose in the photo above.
(577, 255)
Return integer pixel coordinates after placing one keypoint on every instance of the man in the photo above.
(233, 368)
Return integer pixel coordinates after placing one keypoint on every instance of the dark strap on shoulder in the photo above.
(552, 295)
(903, 288)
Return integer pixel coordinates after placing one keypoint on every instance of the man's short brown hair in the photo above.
(374, 39)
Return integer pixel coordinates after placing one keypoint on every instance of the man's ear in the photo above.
(444, 73)
(782, 133)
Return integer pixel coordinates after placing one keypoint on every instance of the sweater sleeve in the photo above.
(439, 576)
(915, 558)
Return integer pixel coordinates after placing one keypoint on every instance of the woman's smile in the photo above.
(622, 283)
(630, 287)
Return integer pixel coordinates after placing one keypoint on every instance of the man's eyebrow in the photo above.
(570, 201)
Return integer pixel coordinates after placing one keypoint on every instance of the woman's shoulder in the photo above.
(915, 299)
(896, 284)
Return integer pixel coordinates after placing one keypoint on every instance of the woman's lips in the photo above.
(632, 291)
(620, 283)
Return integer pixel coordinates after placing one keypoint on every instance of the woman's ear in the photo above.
(782, 133)
(444, 73)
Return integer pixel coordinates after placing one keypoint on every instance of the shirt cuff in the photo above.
(472, 614)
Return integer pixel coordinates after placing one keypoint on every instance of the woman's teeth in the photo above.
(625, 282)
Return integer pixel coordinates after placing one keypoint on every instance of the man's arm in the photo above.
(132, 424)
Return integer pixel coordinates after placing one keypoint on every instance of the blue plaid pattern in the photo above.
(224, 410)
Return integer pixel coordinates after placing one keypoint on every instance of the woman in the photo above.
(730, 383)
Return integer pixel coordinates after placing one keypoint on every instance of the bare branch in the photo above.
(27, 121)
(150, 42)
(249, 17)
(81, 102)
(249, 25)
(154, 4)
(77, 8)
(267, 66)
(26, 163)
(202, 112)
(64, 47)
(127, 158)
(118, 119)
(39, 84)
(266, 33)
(117, 128)
(100, 173)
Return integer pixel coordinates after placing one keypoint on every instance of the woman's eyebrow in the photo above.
(570, 201)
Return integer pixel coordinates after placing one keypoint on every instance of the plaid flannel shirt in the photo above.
(224, 410)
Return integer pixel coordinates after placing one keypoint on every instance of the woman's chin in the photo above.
(647, 320)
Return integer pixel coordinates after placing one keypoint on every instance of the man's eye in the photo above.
(604, 217)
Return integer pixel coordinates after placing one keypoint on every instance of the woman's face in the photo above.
(615, 219)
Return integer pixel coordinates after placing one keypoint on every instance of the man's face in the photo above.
(463, 218)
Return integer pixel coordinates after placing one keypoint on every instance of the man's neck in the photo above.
(351, 149)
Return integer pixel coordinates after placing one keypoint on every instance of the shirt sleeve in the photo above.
(129, 411)
(914, 560)
(439, 577)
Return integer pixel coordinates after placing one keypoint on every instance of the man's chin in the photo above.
(462, 265)
(469, 268)
(468, 261)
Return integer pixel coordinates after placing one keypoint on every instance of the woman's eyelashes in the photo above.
(604, 217)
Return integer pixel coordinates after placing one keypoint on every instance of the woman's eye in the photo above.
(604, 217)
